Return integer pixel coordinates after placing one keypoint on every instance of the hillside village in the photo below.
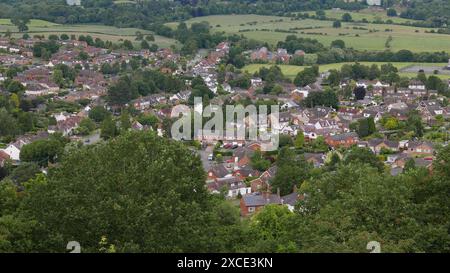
(376, 120)
(237, 127)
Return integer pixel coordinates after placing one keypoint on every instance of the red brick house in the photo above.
(342, 140)
(242, 156)
(89, 79)
(245, 172)
(419, 148)
(263, 182)
(255, 146)
(217, 171)
(3, 158)
(252, 203)
(166, 70)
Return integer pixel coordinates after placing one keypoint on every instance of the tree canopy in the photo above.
(142, 192)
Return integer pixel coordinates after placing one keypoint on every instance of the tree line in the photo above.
(151, 14)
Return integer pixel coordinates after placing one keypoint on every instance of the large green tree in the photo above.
(139, 192)
(291, 172)
(348, 208)
(43, 151)
(108, 128)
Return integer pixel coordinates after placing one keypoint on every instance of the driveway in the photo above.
(91, 139)
(204, 153)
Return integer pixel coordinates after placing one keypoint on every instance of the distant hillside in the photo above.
(151, 14)
(436, 11)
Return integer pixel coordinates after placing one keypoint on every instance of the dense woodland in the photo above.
(436, 11)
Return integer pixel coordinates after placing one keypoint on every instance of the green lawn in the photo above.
(412, 75)
(291, 71)
(357, 35)
(33, 23)
(288, 70)
(114, 34)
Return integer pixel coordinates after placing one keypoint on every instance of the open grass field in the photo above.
(118, 2)
(370, 14)
(291, 71)
(33, 23)
(114, 34)
(363, 36)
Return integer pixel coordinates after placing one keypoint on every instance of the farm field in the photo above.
(114, 34)
(32, 23)
(370, 14)
(362, 36)
(291, 71)
(118, 2)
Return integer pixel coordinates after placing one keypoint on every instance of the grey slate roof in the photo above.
(344, 136)
(420, 162)
(396, 171)
(219, 170)
(377, 141)
(290, 199)
(256, 200)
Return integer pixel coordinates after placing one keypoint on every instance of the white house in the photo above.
(416, 85)
(287, 130)
(288, 104)
(373, 2)
(14, 49)
(73, 2)
(256, 82)
(303, 92)
(232, 184)
(379, 84)
(377, 115)
(397, 106)
(13, 150)
(326, 124)
(60, 116)
(362, 84)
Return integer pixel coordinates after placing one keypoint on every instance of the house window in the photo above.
(251, 209)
